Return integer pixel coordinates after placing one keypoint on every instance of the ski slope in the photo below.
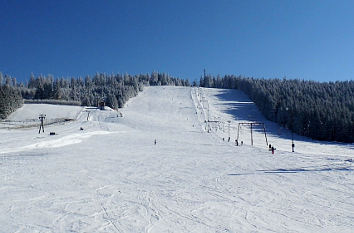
(27, 115)
(111, 177)
(234, 106)
(30, 112)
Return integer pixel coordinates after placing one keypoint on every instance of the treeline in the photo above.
(10, 97)
(113, 89)
(323, 111)
(52, 101)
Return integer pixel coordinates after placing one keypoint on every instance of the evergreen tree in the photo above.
(10, 100)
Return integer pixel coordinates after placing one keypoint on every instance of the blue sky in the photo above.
(298, 39)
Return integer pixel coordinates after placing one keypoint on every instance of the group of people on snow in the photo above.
(271, 148)
(236, 142)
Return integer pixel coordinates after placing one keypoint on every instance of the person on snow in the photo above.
(273, 149)
(155, 141)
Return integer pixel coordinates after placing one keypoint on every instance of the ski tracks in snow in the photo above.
(190, 181)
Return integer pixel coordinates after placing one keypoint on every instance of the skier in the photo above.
(155, 141)
(236, 142)
(241, 143)
(270, 147)
(228, 139)
(273, 149)
(292, 146)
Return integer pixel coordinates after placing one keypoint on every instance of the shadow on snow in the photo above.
(296, 170)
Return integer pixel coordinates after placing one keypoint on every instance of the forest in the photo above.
(113, 89)
(319, 110)
(10, 100)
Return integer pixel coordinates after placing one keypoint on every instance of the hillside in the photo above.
(234, 106)
(27, 115)
(320, 110)
(111, 177)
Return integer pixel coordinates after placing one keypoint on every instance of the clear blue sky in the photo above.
(297, 39)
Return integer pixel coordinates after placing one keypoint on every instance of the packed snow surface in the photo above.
(31, 111)
(110, 176)
(28, 115)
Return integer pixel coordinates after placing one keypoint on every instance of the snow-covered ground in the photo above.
(234, 106)
(31, 111)
(111, 177)
(27, 115)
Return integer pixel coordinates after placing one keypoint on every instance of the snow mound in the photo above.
(55, 143)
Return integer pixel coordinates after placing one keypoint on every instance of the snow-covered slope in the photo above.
(30, 112)
(226, 105)
(111, 177)
(27, 115)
